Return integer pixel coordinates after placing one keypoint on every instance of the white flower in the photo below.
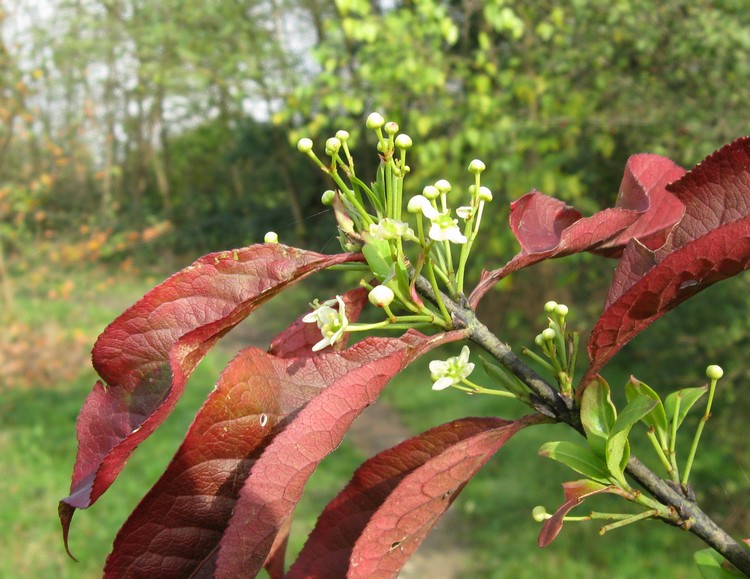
(391, 229)
(465, 212)
(332, 323)
(443, 228)
(451, 371)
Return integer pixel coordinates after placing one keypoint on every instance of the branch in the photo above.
(549, 401)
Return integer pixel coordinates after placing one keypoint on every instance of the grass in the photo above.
(37, 451)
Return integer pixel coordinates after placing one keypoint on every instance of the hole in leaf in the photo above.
(263, 419)
(395, 545)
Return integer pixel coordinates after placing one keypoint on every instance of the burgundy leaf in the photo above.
(228, 434)
(643, 189)
(146, 355)
(711, 243)
(372, 527)
(339, 386)
(575, 493)
(547, 228)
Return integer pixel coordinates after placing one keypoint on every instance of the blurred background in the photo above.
(136, 136)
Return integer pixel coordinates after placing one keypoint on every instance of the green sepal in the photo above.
(689, 397)
(711, 565)
(618, 447)
(598, 415)
(580, 458)
(657, 418)
(502, 377)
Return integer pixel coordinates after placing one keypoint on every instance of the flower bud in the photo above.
(548, 335)
(391, 128)
(403, 141)
(443, 186)
(381, 296)
(342, 136)
(550, 306)
(328, 197)
(561, 310)
(304, 145)
(431, 192)
(476, 166)
(382, 146)
(484, 194)
(538, 340)
(539, 514)
(332, 146)
(375, 121)
(714, 372)
(271, 237)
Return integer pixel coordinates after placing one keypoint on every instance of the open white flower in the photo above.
(391, 229)
(451, 371)
(443, 228)
(332, 323)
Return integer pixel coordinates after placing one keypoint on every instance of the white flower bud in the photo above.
(476, 166)
(375, 121)
(271, 237)
(403, 141)
(539, 514)
(391, 128)
(304, 145)
(381, 296)
(561, 310)
(328, 197)
(342, 136)
(332, 146)
(443, 186)
(714, 372)
(431, 192)
(550, 306)
(484, 194)
(548, 335)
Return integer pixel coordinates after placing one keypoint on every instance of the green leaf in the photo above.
(710, 565)
(618, 448)
(657, 418)
(505, 379)
(580, 458)
(688, 396)
(378, 255)
(598, 415)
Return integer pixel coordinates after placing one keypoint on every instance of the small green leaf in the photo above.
(598, 415)
(618, 448)
(378, 255)
(657, 418)
(503, 378)
(580, 458)
(710, 565)
(689, 397)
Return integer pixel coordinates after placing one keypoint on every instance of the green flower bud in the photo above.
(539, 514)
(485, 194)
(332, 146)
(375, 121)
(304, 145)
(403, 141)
(538, 340)
(550, 306)
(548, 335)
(431, 192)
(714, 372)
(328, 197)
(391, 128)
(476, 166)
(271, 237)
(382, 146)
(561, 310)
(342, 136)
(381, 296)
(443, 186)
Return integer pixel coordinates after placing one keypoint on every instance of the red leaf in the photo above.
(643, 189)
(252, 401)
(711, 243)
(353, 379)
(372, 527)
(575, 493)
(147, 354)
(546, 228)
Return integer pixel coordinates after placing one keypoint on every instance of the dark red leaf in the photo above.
(711, 243)
(643, 189)
(147, 354)
(253, 400)
(349, 381)
(372, 527)
(547, 228)
(575, 493)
